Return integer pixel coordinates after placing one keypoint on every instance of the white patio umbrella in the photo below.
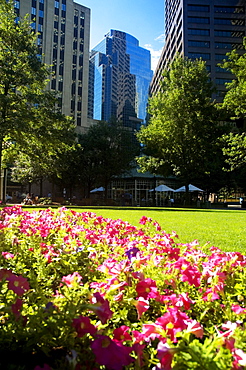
(191, 188)
(97, 189)
(163, 188)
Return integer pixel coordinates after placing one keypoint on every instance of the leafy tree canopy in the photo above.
(181, 136)
(235, 98)
(29, 118)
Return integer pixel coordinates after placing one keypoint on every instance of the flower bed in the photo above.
(84, 292)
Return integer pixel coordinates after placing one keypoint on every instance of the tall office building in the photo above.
(120, 75)
(63, 28)
(206, 29)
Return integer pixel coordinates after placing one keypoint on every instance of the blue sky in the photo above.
(143, 19)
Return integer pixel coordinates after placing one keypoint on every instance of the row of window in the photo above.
(220, 33)
(207, 56)
(217, 45)
(225, 21)
(217, 9)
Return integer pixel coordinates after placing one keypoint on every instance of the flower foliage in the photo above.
(80, 291)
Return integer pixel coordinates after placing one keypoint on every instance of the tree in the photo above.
(234, 144)
(28, 114)
(181, 136)
(107, 151)
(235, 98)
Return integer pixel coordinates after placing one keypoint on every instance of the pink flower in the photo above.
(147, 288)
(150, 332)
(144, 219)
(240, 357)
(72, 279)
(83, 326)
(192, 275)
(173, 321)
(7, 255)
(18, 284)
(210, 295)
(121, 334)
(165, 355)
(101, 307)
(238, 309)
(113, 355)
(195, 328)
(5, 274)
(142, 305)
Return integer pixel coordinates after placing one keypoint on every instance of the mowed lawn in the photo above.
(223, 228)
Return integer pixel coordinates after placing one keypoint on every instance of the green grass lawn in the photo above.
(222, 228)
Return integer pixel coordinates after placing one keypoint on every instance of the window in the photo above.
(221, 70)
(205, 56)
(57, 4)
(198, 8)
(221, 33)
(60, 85)
(53, 84)
(198, 20)
(228, 45)
(222, 81)
(201, 44)
(73, 88)
(200, 32)
(222, 45)
(229, 9)
(229, 21)
(220, 56)
(33, 11)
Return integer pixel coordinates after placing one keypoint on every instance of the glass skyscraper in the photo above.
(119, 79)
(206, 29)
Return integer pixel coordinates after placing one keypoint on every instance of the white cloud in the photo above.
(155, 55)
(160, 38)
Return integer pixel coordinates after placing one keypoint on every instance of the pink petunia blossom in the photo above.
(192, 275)
(7, 255)
(18, 284)
(101, 307)
(210, 295)
(121, 334)
(110, 353)
(151, 332)
(5, 274)
(173, 321)
(71, 279)
(165, 355)
(142, 305)
(238, 309)
(195, 328)
(147, 288)
(83, 326)
(239, 357)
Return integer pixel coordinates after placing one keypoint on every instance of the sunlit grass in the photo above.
(225, 229)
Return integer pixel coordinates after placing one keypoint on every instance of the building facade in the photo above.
(206, 29)
(119, 79)
(63, 28)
